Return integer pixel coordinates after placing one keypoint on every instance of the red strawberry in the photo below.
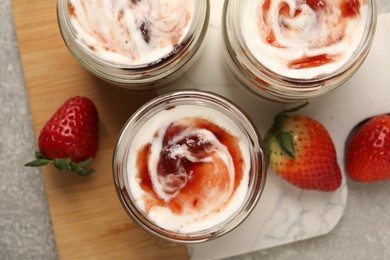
(300, 150)
(367, 156)
(69, 139)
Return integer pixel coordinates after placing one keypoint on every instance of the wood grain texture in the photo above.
(88, 219)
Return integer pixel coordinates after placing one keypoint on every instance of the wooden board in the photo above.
(88, 219)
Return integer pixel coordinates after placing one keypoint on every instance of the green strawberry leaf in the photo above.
(62, 164)
(81, 168)
(38, 163)
(286, 143)
(284, 139)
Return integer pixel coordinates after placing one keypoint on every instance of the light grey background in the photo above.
(25, 227)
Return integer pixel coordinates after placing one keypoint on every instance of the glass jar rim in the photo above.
(148, 75)
(305, 84)
(257, 170)
(62, 7)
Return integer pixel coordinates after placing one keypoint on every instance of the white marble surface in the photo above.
(286, 214)
(25, 232)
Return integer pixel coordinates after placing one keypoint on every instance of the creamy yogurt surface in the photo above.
(130, 32)
(303, 39)
(188, 168)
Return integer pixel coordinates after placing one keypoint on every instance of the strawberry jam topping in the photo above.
(71, 10)
(350, 8)
(311, 24)
(131, 32)
(311, 62)
(191, 166)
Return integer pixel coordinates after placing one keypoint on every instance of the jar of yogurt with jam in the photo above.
(138, 44)
(189, 166)
(292, 50)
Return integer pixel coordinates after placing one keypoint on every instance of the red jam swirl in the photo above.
(199, 167)
(334, 15)
(130, 32)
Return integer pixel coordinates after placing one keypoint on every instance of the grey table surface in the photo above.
(25, 227)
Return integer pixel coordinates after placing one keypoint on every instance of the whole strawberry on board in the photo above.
(301, 151)
(367, 153)
(69, 140)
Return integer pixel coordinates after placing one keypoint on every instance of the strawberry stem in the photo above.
(81, 168)
(284, 139)
(294, 109)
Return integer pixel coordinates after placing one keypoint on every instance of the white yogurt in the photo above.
(131, 32)
(216, 206)
(287, 32)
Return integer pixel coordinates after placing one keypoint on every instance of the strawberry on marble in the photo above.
(301, 151)
(367, 153)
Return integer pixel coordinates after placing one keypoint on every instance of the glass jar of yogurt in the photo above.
(292, 50)
(189, 166)
(139, 44)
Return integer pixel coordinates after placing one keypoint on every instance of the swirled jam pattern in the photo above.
(189, 168)
(130, 32)
(303, 38)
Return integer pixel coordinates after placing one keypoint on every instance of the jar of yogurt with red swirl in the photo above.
(189, 166)
(292, 50)
(137, 44)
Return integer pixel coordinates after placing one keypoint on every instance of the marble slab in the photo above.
(284, 213)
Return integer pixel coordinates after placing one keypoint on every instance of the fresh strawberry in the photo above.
(69, 140)
(367, 153)
(301, 151)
